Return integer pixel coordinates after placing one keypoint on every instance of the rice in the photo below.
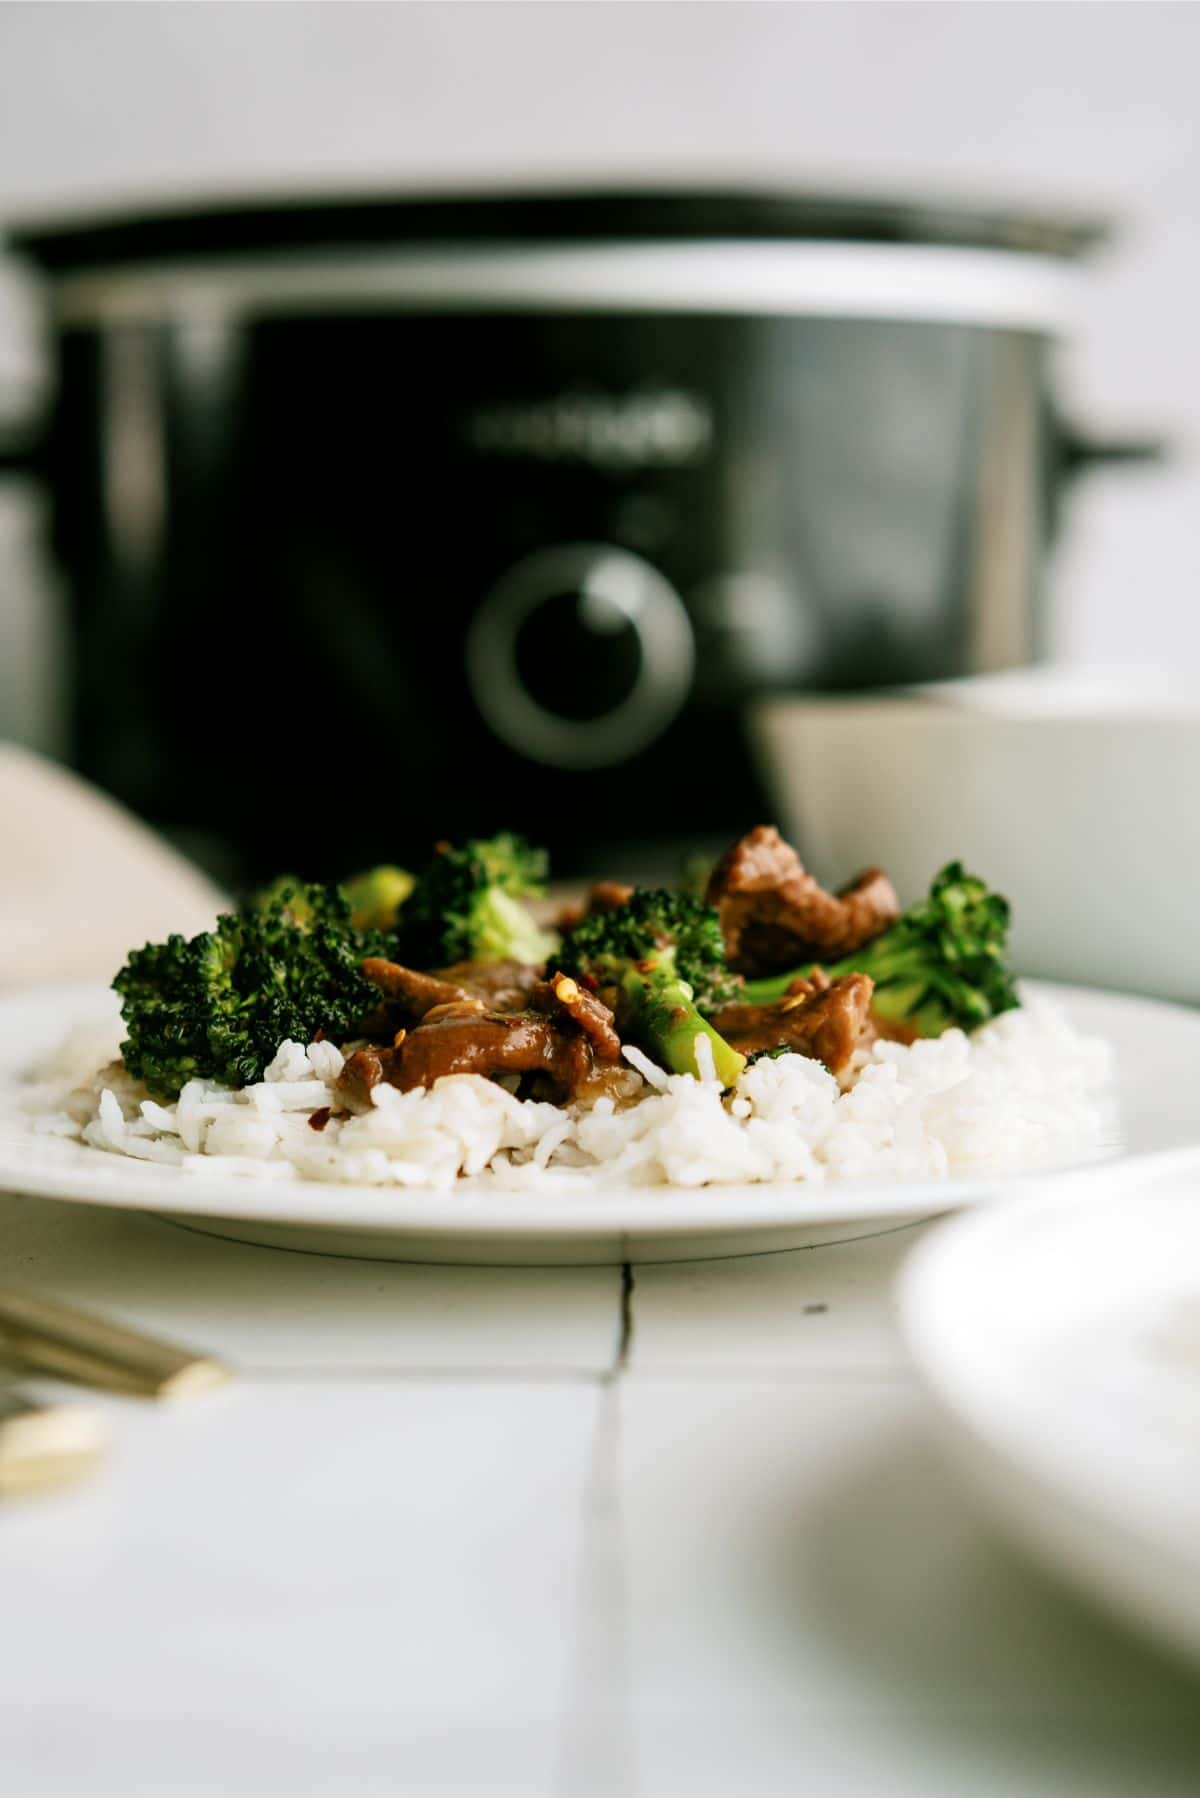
(1025, 1091)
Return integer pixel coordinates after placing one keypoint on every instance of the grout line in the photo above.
(676, 1373)
(446, 1372)
(768, 1373)
(625, 1337)
(596, 1753)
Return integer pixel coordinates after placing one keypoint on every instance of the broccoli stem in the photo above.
(907, 996)
(661, 1012)
(505, 931)
(773, 987)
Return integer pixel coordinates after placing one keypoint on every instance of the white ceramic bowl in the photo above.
(1084, 809)
(1058, 1338)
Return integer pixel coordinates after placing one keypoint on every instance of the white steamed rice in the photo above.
(1025, 1091)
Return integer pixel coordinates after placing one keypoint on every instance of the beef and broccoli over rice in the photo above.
(409, 1030)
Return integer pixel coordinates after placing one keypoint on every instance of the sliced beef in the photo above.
(412, 991)
(408, 995)
(362, 1072)
(474, 1042)
(506, 985)
(774, 914)
(824, 1020)
(563, 997)
(564, 1042)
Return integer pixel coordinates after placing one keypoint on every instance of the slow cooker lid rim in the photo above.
(747, 277)
(360, 221)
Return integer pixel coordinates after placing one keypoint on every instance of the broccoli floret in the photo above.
(287, 897)
(662, 958)
(940, 965)
(218, 1006)
(466, 906)
(650, 922)
(376, 896)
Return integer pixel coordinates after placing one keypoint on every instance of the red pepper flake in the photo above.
(318, 1119)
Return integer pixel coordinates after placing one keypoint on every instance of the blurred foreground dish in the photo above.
(80, 877)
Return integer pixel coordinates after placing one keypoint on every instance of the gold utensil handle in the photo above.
(45, 1445)
(50, 1338)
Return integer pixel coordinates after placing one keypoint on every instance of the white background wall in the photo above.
(1094, 105)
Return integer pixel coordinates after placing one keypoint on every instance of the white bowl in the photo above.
(1086, 814)
(1057, 1337)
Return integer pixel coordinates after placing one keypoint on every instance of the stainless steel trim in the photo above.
(810, 279)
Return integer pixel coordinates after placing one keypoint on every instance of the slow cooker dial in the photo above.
(580, 656)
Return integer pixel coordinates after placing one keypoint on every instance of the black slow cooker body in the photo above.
(348, 575)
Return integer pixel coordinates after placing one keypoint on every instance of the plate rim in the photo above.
(563, 1212)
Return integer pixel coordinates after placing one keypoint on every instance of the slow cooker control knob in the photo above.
(580, 656)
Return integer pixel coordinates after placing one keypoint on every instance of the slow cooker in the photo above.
(393, 520)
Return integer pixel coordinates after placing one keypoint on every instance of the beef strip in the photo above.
(360, 1072)
(567, 1040)
(774, 914)
(506, 985)
(413, 992)
(409, 995)
(563, 996)
(826, 1021)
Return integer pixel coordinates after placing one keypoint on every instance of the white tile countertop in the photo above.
(673, 1529)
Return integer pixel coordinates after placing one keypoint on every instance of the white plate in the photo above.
(1158, 1049)
(1060, 1340)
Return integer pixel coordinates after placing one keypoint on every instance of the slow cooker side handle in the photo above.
(1078, 450)
(1071, 450)
(22, 449)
